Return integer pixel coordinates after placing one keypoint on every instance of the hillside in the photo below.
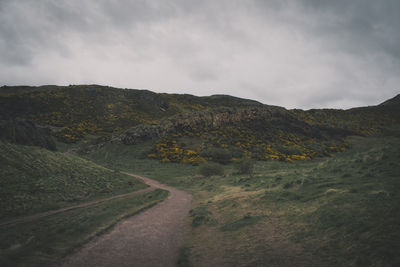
(364, 120)
(26, 132)
(332, 211)
(35, 180)
(190, 129)
(394, 102)
(336, 204)
(76, 111)
(52, 203)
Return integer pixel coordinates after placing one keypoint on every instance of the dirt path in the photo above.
(150, 238)
(82, 205)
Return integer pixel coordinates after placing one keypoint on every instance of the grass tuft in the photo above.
(245, 221)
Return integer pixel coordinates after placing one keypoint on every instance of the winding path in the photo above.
(150, 238)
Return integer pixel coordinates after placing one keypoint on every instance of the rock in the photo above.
(213, 118)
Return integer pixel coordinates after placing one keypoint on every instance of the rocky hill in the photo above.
(190, 129)
(76, 111)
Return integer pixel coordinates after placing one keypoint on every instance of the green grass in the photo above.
(47, 240)
(34, 180)
(129, 158)
(337, 211)
(237, 224)
(344, 209)
(201, 216)
(357, 208)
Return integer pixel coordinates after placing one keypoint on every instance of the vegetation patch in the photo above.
(227, 144)
(201, 216)
(245, 221)
(35, 180)
(245, 166)
(210, 169)
(338, 211)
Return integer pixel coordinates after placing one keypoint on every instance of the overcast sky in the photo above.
(298, 53)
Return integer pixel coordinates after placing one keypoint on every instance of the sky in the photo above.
(297, 54)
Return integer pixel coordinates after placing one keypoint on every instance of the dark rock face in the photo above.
(25, 132)
(200, 120)
(267, 121)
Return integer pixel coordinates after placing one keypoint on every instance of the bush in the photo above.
(245, 221)
(201, 216)
(245, 166)
(209, 169)
(236, 152)
(219, 155)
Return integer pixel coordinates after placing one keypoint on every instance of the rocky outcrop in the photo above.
(213, 118)
(26, 132)
(266, 121)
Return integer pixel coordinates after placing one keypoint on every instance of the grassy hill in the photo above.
(363, 121)
(35, 179)
(190, 129)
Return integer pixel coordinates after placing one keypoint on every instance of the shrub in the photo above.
(208, 169)
(219, 155)
(201, 216)
(245, 166)
(288, 185)
(245, 221)
(236, 152)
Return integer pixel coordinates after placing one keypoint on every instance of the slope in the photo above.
(34, 180)
(78, 110)
(338, 211)
(190, 129)
(52, 203)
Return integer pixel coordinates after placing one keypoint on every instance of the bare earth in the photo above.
(150, 238)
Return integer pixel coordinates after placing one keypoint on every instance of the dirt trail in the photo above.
(150, 238)
(82, 205)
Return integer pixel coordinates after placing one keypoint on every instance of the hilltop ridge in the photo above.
(187, 128)
(395, 101)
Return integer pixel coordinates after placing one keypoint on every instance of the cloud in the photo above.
(303, 53)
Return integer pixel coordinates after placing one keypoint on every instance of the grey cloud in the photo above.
(364, 25)
(304, 53)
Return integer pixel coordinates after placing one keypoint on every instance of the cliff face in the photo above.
(200, 120)
(266, 122)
